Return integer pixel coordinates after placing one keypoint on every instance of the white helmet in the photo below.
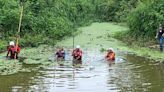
(78, 46)
(12, 43)
(110, 49)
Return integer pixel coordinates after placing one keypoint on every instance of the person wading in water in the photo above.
(60, 55)
(110, 56)
(12, 50)
(77, 56)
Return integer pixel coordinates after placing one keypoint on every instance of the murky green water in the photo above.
(131, 74)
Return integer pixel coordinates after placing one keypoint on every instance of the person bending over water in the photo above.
(12, 51)
(110, 56)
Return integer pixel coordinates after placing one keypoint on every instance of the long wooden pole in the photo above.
(73, 40)
(19, 28)
(20, 22)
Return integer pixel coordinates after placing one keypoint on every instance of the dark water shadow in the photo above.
(138, 75)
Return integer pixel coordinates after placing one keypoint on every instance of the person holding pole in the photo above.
(17, 48)
(12, 51)
(77, 56)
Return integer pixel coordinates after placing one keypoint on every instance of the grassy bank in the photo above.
(144, 47)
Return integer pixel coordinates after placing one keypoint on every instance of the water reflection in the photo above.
(16, 83)
(137, 75)
(134, 75)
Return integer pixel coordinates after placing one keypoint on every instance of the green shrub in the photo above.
(3, 45)
(144, 20)
(44, 21)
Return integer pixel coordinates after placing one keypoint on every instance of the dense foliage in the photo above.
(142, 17)
(145, 19)
(46, 21)
(114, 10)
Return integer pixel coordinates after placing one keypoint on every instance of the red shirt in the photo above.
(110, 56)
(77, 53)
(13, 49)
(18, 49)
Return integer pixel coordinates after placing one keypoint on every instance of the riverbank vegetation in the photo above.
(143, 22)
(47, 21)
(44, 21)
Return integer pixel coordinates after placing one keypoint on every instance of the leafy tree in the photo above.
(144, 20)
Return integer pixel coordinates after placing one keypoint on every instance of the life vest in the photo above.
(110, 56)
(77, 53)
(60, 54)
(11, 49)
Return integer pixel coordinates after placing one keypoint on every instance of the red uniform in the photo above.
(77, 54)
(77, 57)
(13, 51)
(110, 56)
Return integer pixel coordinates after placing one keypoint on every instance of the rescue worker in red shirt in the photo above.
(77, 56)
(60, 54)
(110, 55)
(12, 51)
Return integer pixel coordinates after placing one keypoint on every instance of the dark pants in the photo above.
(110, 62)
(60, 59)
(14, 55)
(77, 62)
